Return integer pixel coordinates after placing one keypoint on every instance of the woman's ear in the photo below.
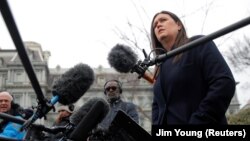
(179, 26)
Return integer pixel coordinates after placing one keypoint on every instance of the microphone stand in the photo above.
(142, 66)
(8, 139)
(35, 127)
(41, 127)
(41, 111)
(43, 105)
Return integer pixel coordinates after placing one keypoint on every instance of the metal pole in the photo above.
(13, 30)
(201, 40)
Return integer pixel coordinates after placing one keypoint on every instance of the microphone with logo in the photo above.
(67, 89)
(124, 60)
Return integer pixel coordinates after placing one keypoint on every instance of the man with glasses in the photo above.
(113, 91)
(105, 129)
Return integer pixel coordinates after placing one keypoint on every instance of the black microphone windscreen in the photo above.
(122, 58)
(87, 118)
(77, 116)
(73, 83)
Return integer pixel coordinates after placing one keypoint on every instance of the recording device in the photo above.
(73, 84)
(67, 89)
(87, 117)
(124, 60)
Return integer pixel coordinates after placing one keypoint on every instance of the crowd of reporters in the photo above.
(102, 131)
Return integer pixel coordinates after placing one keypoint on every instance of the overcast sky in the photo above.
(83, 31)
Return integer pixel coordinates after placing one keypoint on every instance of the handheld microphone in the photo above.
(124, 60)
(66, 90)
(87, 117)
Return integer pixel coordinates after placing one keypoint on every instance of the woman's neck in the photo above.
(168, 42)
(168, 45)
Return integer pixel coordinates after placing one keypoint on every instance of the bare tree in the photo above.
(137, 37)
(140, 35)
(239, 54)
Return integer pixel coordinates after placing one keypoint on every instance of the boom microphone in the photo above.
(73, 84)
(123, 59)
(87, 117)
(66, 90)
(77, 116)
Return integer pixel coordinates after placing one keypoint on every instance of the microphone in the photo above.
(73, 84)
(124, 60)
(67, 89)
(87, 117)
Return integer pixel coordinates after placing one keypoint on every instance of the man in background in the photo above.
(7, 105)
(106, 130)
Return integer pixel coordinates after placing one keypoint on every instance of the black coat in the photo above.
(196, 90)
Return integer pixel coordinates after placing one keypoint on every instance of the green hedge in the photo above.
(241, 118)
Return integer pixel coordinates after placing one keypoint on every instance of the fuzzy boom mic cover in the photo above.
(87, 117)
(77, 116)
(122, 58)
(73, 83)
